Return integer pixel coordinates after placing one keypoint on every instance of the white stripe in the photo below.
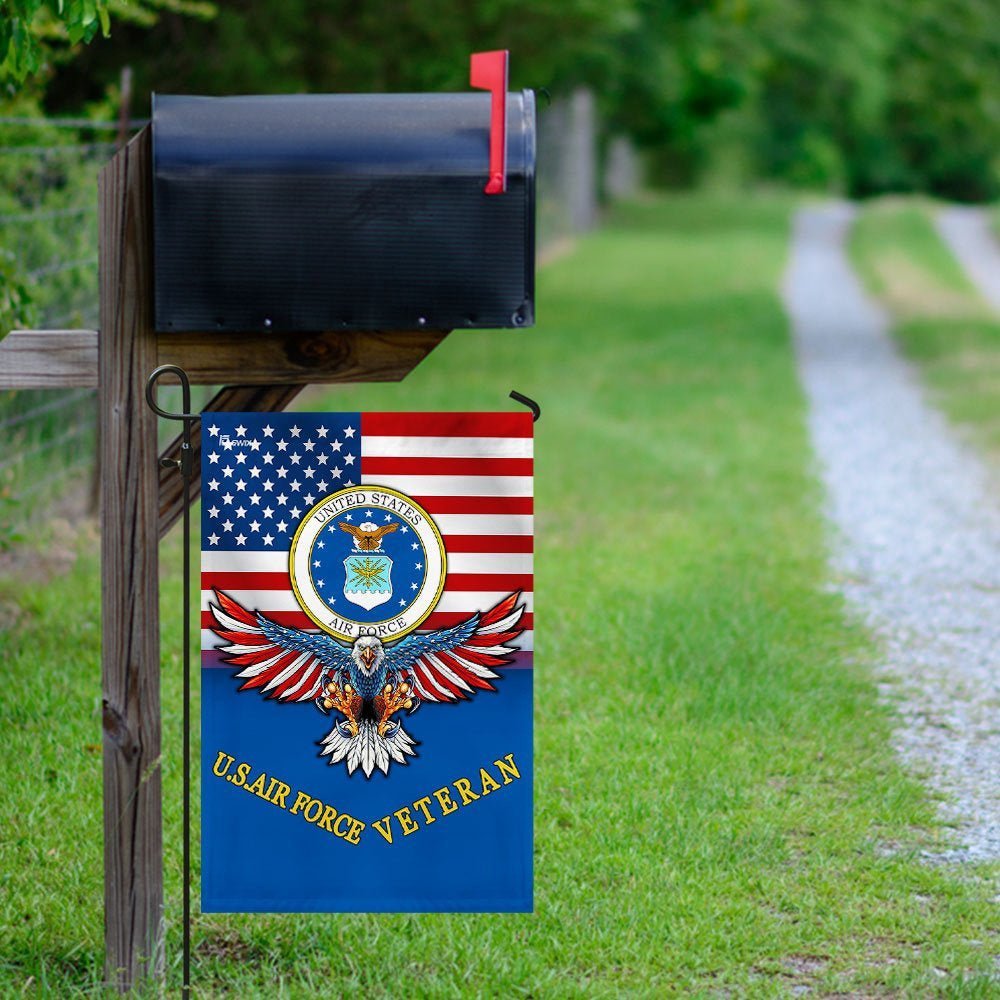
(452, 486)
(491, 562)
(503, 625)
(280, 678)
(308, 680)
(277, 562)
(244, 562)
(258, 668)
(525, 642)
(485, 524)
(448, 524)
(385, 446)
(475, 668)
(228, 622)
(427, 683)
(447, 671)
(465, 601)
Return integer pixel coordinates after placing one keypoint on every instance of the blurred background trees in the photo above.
(860, 96)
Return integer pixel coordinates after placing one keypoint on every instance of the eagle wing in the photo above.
(449, 664)
(349, 528)
(284, 663)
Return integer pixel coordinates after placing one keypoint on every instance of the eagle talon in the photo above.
(387, 704)
(344, 700)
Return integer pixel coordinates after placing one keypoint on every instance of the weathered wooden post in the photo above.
(130, 611)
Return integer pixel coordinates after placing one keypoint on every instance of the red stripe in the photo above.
(294, 619)
(279, 581)
(380, 466)
(476, 505)
(507, 582)
(488, 543)
(216, 580)
(297, 619)
(447, 424)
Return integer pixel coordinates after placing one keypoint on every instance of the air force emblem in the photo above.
(367, 561)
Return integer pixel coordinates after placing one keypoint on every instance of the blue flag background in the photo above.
(446, 823)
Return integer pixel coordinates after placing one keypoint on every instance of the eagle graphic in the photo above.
(368, 536)
(367, 682)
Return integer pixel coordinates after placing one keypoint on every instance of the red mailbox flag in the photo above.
(488, 71)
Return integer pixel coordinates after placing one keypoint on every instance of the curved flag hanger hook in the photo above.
(519, 397)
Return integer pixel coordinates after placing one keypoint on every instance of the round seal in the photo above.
(367, 560)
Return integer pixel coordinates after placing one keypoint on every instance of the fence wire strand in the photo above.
(53, 405)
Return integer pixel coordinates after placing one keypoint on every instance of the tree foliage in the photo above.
(29, 28)
(860, 95)
(36, 32)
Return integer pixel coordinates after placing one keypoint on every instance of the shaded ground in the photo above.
(919, 530)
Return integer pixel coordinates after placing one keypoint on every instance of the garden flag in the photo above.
(366, 633)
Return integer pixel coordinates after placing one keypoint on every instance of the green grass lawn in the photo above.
(941, 322)
(718, 809)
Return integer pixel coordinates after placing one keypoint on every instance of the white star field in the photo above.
(261, 472)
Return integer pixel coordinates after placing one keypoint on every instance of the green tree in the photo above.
(35, 32)
(31, 28)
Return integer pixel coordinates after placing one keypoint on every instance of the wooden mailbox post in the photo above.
(483, 277)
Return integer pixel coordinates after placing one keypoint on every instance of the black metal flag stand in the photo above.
(186, 466)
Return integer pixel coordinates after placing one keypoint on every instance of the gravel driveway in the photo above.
(966, 230)
(917, 544)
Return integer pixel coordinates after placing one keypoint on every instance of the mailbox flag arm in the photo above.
(488, 71)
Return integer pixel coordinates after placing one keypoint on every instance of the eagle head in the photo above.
(368, 654)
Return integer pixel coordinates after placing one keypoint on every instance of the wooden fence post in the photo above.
(130, 627)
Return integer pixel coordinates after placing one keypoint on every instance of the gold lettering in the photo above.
(487, 781)
(218, 763)
(445, 801)
(422, 805)
(406, 823)
(464, 787)
(300, 800)
(383, 826)
(241, 775)
(258, 786)
(324, 823)
(508, 769)
(280, 795)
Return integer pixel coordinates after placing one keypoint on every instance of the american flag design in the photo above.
(332, 542)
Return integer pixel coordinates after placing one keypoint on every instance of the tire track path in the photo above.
(917, 551)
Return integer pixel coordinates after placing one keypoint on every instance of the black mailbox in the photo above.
(352, 211)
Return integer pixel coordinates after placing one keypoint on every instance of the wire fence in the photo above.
(48, 237)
